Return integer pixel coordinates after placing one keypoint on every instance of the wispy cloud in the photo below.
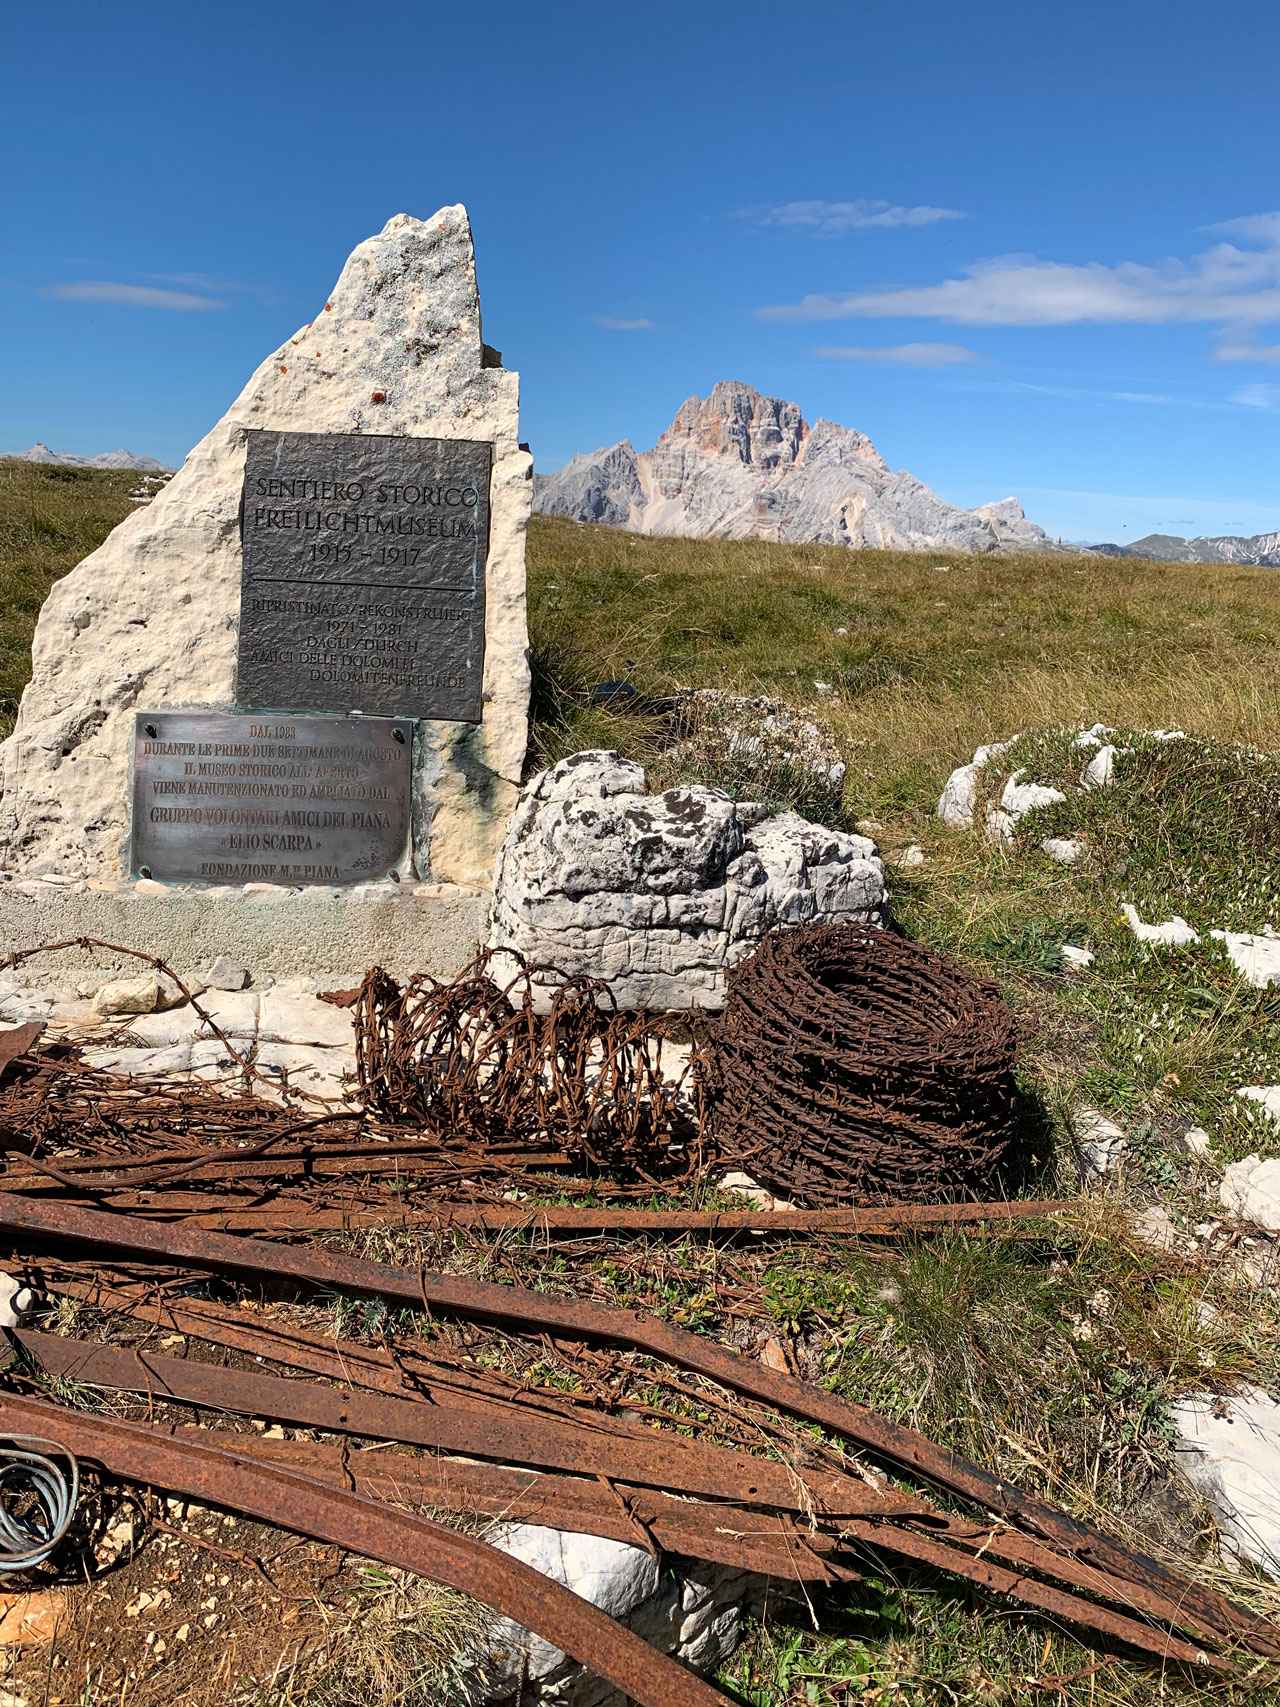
(204, 282)
(1228, 284)
(898, 355)
(1256, 396)
(1267, 354)
(834, 219)
(612, 323)
(131, 296)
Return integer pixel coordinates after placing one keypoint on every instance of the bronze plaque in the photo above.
(220, 799)
(363, 575)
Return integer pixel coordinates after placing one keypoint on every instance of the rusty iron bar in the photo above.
(668, 1461)
(217, 1475)
(772, 1544)
(526, 1311)
(214, 1387)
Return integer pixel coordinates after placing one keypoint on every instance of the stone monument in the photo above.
(281, 712)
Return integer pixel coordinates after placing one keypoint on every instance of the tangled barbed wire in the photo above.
(495, 1053)
(852, 1065)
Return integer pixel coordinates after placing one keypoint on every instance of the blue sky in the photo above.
(1027, 249)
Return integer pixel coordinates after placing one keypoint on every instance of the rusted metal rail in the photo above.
(306, 1505)
(669, 1461)
(1147, 1586)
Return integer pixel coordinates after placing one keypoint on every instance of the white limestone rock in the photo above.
(1100, 1143)
(960, 794)
(660, 893)
(1173, 933)
(1017, 799)
(1267, 1096)
(149, 620)
(690, 1609)
(1064, 850)
(129, 995)
(1255, 954)
(1250, 1189)
(1229, 1449)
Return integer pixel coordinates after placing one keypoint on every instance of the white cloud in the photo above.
(1227, 284)
(130, 296)
(1268, 354)
(611, 323)
(1256, 396)
(898, 355)
(833, 219)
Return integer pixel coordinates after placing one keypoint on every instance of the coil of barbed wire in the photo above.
(512, 1050)
(851, 1065)
(29, 1538)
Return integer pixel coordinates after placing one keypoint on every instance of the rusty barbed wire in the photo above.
(476, 1056)
(851, 1065)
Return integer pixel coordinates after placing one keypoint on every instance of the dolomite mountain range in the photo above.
(737, 465)
(107, 459)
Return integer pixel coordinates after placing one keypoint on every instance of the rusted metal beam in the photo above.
(766, 1542)
(481, 1430)
(537, 1312)
(307, 1506)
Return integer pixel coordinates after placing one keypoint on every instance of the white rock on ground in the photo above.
(1257, 955)
(960, 794)
(659, 894)
(695, 1615)
(1099, 1142)
(129, 995)
(1250, 1189)
(1016, 800)
(1066, 850)
(1229, 1449)
(1268, 1096)
(1101, 769)
(1076, 959)
(1173, 933)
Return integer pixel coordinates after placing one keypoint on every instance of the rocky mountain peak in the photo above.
(737, 421)
(739, 465)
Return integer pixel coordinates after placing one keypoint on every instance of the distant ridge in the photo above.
(108, 459)
(737, 465)
(1259, 550)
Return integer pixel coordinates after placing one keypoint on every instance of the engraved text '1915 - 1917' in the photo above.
(364, 574)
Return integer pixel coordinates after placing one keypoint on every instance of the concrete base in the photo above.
(425, 927)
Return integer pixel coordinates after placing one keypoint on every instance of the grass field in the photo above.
(1052, 1360)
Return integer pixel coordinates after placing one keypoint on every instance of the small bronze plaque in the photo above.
(291, 800)
(363, 586)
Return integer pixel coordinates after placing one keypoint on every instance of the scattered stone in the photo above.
(1173, 933)
(960, 795)
(695, 1617)
(1154, 1228)
(824, 690)
(1076, 959)
(1268, 1096)
(1229, 1450)
(129, 995)
(224, 974)
(1092, 737)
(1099, 1142)
(913, 856)
(1196, 1141)
(16, 1301)
(754, 1192)
(1100, 771)
(659, 894)
(1256, 955)
(1250, 1189)
(31, 1620)
(1065, 849)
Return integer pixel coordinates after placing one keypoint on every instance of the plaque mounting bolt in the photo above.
(144, 871)
(149, 729)
(398, 735)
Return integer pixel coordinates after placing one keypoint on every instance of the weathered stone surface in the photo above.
(736, 465)
(129, 995)
(660, 893)
(960, 793)
(149, 620)
(1229, 1449)
(693, 1613)
(1250, 1189)
(1100, 1143)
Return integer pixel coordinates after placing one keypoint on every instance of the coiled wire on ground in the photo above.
(852, 1066)
(30, 1537)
